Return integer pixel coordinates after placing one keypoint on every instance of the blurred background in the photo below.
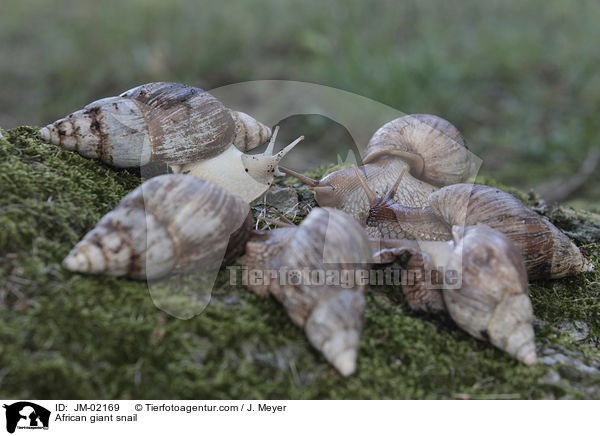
(520, 79)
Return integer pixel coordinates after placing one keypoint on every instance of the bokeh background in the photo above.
(520, 79)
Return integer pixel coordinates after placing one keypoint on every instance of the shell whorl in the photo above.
(169, 224)
(330, 313)
(249, 133)
(331, 316)
(548, 252)
(492, 303)
(433, 147)
(326, 239)
(161, 121)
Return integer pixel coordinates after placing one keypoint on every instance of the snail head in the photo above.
(264, 167)
(383, 208)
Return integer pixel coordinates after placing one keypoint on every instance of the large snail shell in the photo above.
(169, 224)
(492, 303)
(548, 253)
(433, 147)
(166, 122)
(332, 316)
(330, 313)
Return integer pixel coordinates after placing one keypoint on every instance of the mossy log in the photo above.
(65, 335)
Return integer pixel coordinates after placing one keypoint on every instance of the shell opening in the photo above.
(417, 165)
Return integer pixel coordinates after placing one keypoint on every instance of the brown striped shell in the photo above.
(433, 147)
(330, 313)
(161, 121)
(169, 224)
(548, 252)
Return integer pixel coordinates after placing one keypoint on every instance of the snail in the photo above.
(430, 149)
(180, 125)
(489, 300)
(330, 311)
(170, 224)
(548, 252)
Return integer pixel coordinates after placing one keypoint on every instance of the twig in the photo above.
(559, 192)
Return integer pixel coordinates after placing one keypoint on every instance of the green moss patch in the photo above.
(66, 335)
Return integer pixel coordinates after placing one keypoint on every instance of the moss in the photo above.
(66, 335)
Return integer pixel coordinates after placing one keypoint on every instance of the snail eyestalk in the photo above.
(392, 192)
(324, 193)
(277, 223)
(271, 146)
(283, 217)
(307, 180)
(370, 194)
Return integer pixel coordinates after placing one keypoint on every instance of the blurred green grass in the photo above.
(518, 78)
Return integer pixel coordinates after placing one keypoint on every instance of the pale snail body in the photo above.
(490, 300)
(330, 314)
(169, 224)
(245, 175)
(428, 148)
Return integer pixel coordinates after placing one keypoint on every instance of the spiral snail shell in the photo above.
(548, 252)
(180, 125)
(330, 313)
(169, 224)
(492, 303)
(432, 146)
(428, 149)
(160, 121)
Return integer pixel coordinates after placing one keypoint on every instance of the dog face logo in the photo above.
(24, 414)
